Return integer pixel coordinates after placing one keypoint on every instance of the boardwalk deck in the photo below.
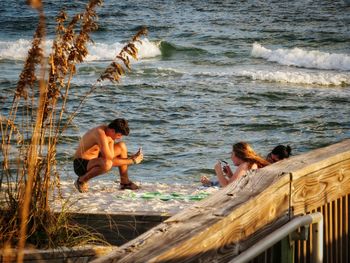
(231, 220)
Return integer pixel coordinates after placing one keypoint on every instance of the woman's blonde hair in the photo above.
(246, 153)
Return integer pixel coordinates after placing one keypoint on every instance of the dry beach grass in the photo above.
(31, 129)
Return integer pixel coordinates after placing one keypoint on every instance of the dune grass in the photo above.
(35, 122)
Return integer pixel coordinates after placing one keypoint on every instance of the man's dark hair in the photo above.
(120, 126)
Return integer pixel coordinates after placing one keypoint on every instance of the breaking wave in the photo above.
(307, 78)
(18, 50)
(302, 58)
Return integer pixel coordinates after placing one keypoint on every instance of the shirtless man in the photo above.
(98, 152)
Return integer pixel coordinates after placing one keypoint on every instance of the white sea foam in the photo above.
(102, 51)
(302, 58)
(307, 78)
(14, 50)
(148, 49)
(18, 50)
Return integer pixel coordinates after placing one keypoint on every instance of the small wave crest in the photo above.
(307, 78)
(103, 51)
(303, 58)
(18, 50)
(14, 50)
(169, 49)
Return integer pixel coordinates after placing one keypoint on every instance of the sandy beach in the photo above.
(105, 197)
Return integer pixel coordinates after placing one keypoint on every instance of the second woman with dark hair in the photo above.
(278, 153)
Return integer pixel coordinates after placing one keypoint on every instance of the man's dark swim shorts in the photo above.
(80, 166)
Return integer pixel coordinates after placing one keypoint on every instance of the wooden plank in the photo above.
(346, 233)
(319, 159)
(216, 229)
(320, 187)
(327, 237)
(210, 229)
(314, 188)
(341, 229)
(336, 229)
(227, 233)
(58, 255)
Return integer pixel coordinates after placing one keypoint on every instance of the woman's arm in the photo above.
(220, 174)
(227, 170)
(241, 170)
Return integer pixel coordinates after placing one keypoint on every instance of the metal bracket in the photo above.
(302, 234)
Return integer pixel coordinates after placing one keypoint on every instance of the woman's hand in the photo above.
(205, 181)
(227, 170)
(218, 168)
(220, 174)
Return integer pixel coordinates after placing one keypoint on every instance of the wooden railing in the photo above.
(336, 233)
(324, 189)
(222, 226)
(327, 191)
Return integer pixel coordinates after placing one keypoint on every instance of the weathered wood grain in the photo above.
(320, 187)
(213, 228)
(59, 255)
(220, 227)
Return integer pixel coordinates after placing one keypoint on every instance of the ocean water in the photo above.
(209, 75)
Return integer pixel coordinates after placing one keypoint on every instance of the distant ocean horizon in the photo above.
(208, 75)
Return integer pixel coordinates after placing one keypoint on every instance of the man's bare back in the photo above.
(98, 152)
(90, 144)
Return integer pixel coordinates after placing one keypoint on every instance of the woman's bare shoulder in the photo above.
(254, 166)
(244, 166)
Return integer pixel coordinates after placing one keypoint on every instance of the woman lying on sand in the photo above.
(242, 156)
(278, 153)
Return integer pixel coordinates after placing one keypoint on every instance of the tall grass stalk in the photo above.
(34, 124)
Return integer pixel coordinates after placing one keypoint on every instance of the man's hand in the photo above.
(138, 157)
(110, 140)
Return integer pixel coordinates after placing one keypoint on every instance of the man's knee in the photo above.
(107, 165)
